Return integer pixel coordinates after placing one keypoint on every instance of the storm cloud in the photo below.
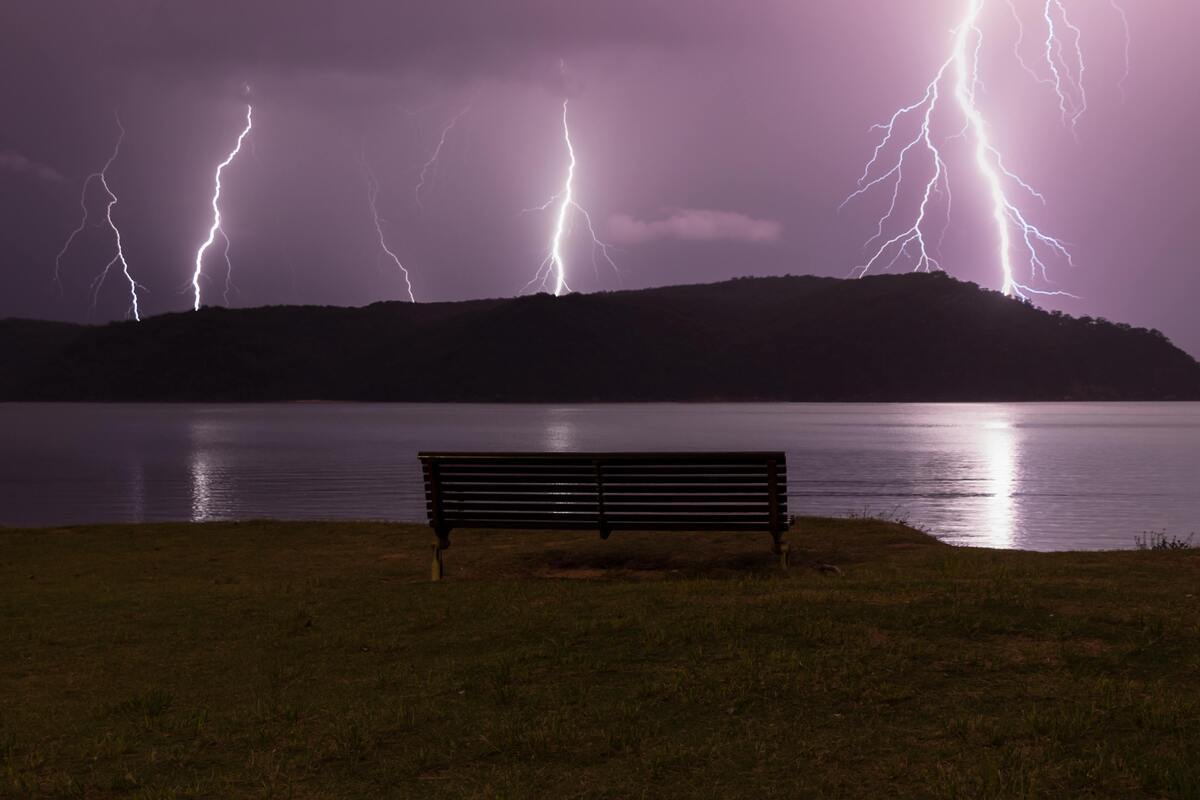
(12, 161)
(459, 38)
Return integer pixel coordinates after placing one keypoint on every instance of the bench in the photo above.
(605, 492)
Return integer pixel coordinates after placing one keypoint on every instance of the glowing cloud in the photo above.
(695, 225)
(12, 161)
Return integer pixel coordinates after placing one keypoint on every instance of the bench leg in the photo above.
(440, 545)
(438, 569)
(781, 549)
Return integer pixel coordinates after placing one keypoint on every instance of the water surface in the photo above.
(1036, 476)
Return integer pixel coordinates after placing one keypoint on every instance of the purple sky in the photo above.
(715, 138)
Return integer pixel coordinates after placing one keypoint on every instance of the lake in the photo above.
(1033, 476)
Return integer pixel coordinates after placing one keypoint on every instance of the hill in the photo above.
(886, 338)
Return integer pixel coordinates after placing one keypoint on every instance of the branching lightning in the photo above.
(229, 287)
(373, 202)
(216, 222)
(959, 79)
(1128, 45)
(101, 176)
(553, 269)
(429, 168)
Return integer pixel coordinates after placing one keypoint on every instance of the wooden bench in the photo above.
(605, 492)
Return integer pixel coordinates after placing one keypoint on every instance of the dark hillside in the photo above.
(910, 337)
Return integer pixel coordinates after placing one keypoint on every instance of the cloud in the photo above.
(695, 225)
(12, 161)
(522, 39)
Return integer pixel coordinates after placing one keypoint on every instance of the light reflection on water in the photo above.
(202, 487)
(559, 434)
(998, 444)
(1035, 476)
(204, 436)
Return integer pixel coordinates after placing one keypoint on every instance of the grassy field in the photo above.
(316, 660)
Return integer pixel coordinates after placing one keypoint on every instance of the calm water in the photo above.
(1065, 476)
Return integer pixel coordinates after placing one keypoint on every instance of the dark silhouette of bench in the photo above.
(605, 492)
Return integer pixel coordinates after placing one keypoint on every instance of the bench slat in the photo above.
(746, 473)
(677, 456)
(463, 508)
(685, 469)
(678, 492)
(610, 498)
(565, 525)
(615, 509)
(611, 509)
(685, 480)
(586, 470)
(549, 480)
(624, 517)
(633, 490)
(538, 483)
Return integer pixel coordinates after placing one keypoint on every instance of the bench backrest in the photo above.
(607, 491)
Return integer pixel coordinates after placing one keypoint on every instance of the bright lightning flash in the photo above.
(959, 77)
(216, 223)
(373, 202)
(119, 257)
(554, 265)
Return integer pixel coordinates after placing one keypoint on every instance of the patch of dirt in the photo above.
(1028, 650)
(574, 574)
(591, 574)
(1093, 647)
(877, 637)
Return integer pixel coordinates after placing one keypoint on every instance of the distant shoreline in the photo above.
(885, 339)
(1064, 402)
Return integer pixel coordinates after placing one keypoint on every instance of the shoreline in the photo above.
(180, 525)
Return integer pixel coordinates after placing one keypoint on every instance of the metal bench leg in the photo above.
(781, 549)
(438, 568)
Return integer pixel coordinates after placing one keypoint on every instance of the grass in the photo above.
(1159, 540)
(316, 660)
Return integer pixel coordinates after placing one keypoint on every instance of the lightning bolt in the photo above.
(373, 201)
(1128, 45)
(1068, 75)
(229, 287)
(554, 265)
(83, 221)
(216, 209)
(959, 79)
(119, 257)
(429, 168)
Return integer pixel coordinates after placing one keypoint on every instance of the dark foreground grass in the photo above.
(315, 660)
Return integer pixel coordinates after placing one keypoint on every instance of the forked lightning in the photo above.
(1023, 248)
